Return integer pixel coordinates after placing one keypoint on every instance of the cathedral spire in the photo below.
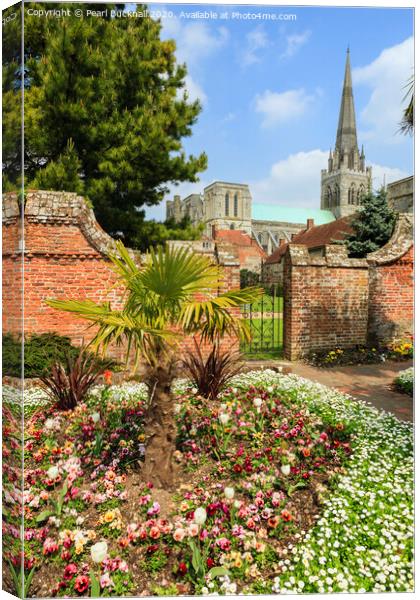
(346, 131)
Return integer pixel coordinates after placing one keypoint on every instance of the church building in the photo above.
(347, 178)
(228, 206)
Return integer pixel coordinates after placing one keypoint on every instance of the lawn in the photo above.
(283, 486)
(266, 341)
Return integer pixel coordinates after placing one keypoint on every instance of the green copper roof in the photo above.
(288, 214)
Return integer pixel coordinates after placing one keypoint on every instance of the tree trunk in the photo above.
(160, 431)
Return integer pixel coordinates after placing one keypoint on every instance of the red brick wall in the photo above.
(64, 258)
(332, 301)
(391, 298)
(325, 302)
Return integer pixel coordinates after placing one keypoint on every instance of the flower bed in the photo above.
(284, 486)
(362, 355)
(404, 382)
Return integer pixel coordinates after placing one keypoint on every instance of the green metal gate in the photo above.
(265, 321)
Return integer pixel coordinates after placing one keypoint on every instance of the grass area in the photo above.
(267, 339)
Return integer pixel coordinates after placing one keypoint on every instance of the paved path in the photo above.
(372, 383)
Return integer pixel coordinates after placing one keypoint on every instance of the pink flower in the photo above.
(70, 571)
(179, 534)
(223, 543)
(193, 529)
(106, 581)
(154, 510)
(50, 546)
(154, 533)
(74, 491)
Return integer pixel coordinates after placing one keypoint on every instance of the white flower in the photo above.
(200, 515)
(49, 424)
(229, 492)
(224, 418)
(95, 417)
(258, 403)
(285, 469)
(53, 472)
(99, 552)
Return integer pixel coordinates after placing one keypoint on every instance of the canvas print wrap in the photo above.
(208, 286)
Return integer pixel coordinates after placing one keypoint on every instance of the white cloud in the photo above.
(387, 77)
(195, 91)
(280, 107)
(256, 39)
(194, 41)
(296, 180)
(294, 43)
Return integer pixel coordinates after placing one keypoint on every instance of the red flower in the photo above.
(108, 377)
(237, 468)
(70, 571)
(286, 515)
(182, 568)
(82, 583)
(210, 563)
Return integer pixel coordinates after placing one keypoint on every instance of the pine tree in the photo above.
(113, 88)
(372, 225)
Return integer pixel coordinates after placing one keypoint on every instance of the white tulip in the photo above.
(224, 418)
(200, 515)
(53, 472)
(229, 492)
(99, 552)
(95, 417)
(285, 469)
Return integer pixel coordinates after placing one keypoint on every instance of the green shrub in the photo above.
(41, 352)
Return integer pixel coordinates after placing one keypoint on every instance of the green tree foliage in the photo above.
(105, 113)
(153, 233)
(372, 225)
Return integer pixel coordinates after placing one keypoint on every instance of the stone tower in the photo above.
(227, 206)
(347, 178)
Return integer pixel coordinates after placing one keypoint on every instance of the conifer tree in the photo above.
(112, 89)
(372, 225)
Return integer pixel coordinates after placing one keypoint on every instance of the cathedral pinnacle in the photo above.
(346, 131)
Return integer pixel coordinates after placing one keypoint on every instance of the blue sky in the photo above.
(271, 92)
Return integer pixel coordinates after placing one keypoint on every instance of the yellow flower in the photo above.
(141, 437)
(108, 516)
(78, 548)
(237, 563)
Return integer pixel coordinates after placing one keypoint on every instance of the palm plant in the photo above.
(407, 123)
(173, 294)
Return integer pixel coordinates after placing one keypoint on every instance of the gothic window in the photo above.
(336, 195)
(329, 199)
(232, 226)
(360, 193)
(352, 194)
(227, 204)
(235, 205)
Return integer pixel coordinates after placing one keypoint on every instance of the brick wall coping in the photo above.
(335, 256)
(398, 245)
(58, 208)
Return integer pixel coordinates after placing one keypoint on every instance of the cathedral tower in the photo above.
(347, 179)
